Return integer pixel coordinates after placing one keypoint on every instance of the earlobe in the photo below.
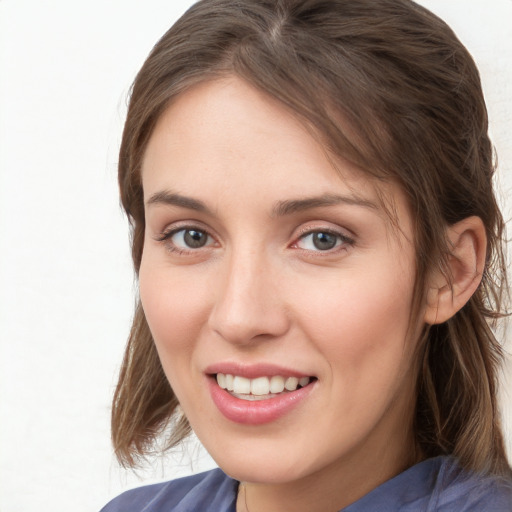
(448, 294)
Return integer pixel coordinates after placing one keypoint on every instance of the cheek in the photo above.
(176, 312)
(361, 321)
(175, 305)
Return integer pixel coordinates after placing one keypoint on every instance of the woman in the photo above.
(318, 247)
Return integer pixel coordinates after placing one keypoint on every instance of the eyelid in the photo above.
(346, 240)
(176, 226)
(166, 235)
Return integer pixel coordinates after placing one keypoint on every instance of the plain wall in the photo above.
(66, 284)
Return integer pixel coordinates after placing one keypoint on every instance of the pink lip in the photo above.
(253, 371)
(256, 412)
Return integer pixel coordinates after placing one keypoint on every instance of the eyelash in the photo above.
(166, 237)
(341, 243)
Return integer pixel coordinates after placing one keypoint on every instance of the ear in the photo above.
(447, 294)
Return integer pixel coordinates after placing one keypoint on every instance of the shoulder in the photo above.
(210, 491)
(458, 489)
(438, 485)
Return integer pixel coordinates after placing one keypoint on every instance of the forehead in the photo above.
(225, 136)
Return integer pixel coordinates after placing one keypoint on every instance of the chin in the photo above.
(263, 460)
(256, 470)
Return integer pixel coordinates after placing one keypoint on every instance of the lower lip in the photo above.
(256, 412)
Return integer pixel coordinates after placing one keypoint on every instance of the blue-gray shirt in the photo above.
(434, 485)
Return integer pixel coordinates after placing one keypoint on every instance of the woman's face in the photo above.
(264, 267)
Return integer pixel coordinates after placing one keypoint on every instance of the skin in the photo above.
(259, 291)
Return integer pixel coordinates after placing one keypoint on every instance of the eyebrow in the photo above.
(170, 198)
(291, 206)
(280, 209)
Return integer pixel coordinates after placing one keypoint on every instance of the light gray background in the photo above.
(66, 285)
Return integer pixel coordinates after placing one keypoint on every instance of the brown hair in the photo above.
(411, 96)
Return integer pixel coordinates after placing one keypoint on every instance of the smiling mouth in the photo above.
(260, 388)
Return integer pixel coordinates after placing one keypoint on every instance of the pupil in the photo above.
(194, 239)
(324, 241)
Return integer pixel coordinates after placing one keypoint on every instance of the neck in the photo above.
(332, 488)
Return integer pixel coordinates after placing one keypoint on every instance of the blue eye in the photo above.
(321, 241)
(189, 238)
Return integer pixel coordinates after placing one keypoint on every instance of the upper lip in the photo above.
(252, 371)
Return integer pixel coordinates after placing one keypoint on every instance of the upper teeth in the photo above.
(261, 385)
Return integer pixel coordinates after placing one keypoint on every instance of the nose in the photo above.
(248, 300)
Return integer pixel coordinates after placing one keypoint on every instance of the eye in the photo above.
(185, 239)
(322, 241)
